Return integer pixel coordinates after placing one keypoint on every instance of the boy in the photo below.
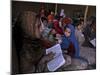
(78, 33)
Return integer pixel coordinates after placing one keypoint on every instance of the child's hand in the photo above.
(58, 38)
(59, 41)
(53, 31)
(47, 58)
(50, 56)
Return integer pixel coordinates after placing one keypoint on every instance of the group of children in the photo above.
(35, 33)
(59, 29)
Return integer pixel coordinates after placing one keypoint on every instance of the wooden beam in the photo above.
(85, 15)
(56, 9)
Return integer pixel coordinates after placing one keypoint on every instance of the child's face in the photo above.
(79, 27)
(53, 31)
(42, 11)
(45, 22)
(67, 32)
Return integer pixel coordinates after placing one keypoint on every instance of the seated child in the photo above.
(46, 30)
(51, 35)
(65, 41)
(57, 27)
(50, 19)
(66, 44)
(79, 35)
(67, 22)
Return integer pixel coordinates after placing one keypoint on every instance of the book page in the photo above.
(58, 60)
(56, 49)
(56, 63)
(93, 42)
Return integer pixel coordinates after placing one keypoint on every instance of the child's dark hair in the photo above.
(78, 23)
(66, 27)
(44, 19)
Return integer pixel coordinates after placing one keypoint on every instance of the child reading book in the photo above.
(54, 60)
(67, 22)
(66, 44)
(66, 59)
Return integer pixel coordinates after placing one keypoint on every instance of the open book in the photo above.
(58, 60)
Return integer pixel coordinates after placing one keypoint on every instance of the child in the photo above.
(67, 22)
(65, 41)
(56, 26)
(46, 30)
(50, 19)
(66, 44)
(48, 33)
(78, 33)
(51, 35)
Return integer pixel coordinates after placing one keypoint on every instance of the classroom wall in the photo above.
(18, 6)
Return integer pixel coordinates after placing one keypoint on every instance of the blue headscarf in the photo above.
(74, 40)
(65, 42)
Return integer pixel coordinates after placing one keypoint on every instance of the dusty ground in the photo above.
(89, 62)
